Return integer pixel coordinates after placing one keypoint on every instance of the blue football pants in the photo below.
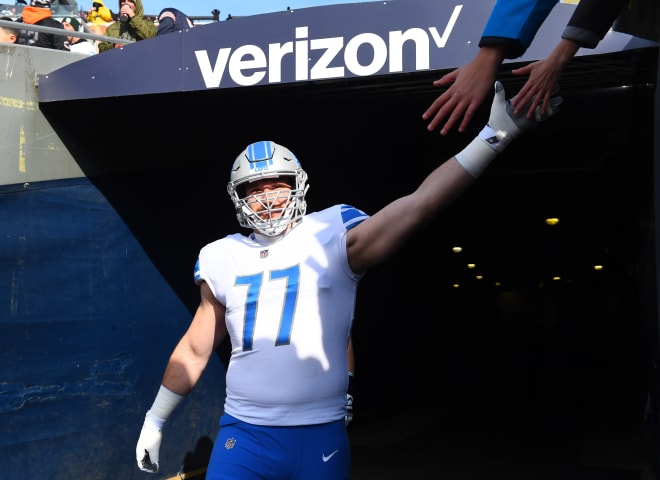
(243, 451)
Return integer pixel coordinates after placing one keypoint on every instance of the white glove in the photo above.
(148, 445)
(507, 126)
(502, 128)
(348, 418)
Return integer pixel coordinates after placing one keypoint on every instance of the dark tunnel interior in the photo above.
(511, 344)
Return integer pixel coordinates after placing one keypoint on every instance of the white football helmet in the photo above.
(267, 159)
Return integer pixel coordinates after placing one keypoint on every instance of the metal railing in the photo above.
(59, 31)
(20, 26)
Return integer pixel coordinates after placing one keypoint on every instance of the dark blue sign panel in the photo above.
(311, 44)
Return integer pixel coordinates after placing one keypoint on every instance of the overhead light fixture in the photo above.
(552, 221)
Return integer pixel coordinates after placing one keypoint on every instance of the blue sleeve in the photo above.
(514, 23)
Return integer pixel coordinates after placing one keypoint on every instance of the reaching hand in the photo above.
(349, 409)
(148, 447)
(543, 78)
(541, 84)
(506, 125)
(469, 85)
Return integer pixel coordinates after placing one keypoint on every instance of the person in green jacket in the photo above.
(132, 25)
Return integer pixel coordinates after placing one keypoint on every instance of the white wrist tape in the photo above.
(163, 406)
(153, 422)
(479, 153)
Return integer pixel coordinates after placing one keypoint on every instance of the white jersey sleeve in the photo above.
(290, 304)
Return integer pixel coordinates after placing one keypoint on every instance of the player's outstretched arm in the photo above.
(379, 236)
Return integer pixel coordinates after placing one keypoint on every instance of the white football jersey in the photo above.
(290, 303)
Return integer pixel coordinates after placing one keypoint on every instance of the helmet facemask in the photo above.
(259, 161)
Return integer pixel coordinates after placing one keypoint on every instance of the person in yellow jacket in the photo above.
(132, 25)
(99, 13)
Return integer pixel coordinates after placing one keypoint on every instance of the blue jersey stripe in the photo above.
(352, 216)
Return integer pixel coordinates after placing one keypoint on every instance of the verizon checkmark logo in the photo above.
(328, 457)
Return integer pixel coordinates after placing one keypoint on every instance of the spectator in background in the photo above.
(99, 13)
(132, 25)
(173, 20)
(77, 44)
(40, 13)
(8, 34)
(510, 30)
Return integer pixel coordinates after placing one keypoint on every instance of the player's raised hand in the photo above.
(502, 128)
(507, 125)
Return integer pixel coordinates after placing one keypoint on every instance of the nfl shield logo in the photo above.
(263, 254)
(229, 443)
